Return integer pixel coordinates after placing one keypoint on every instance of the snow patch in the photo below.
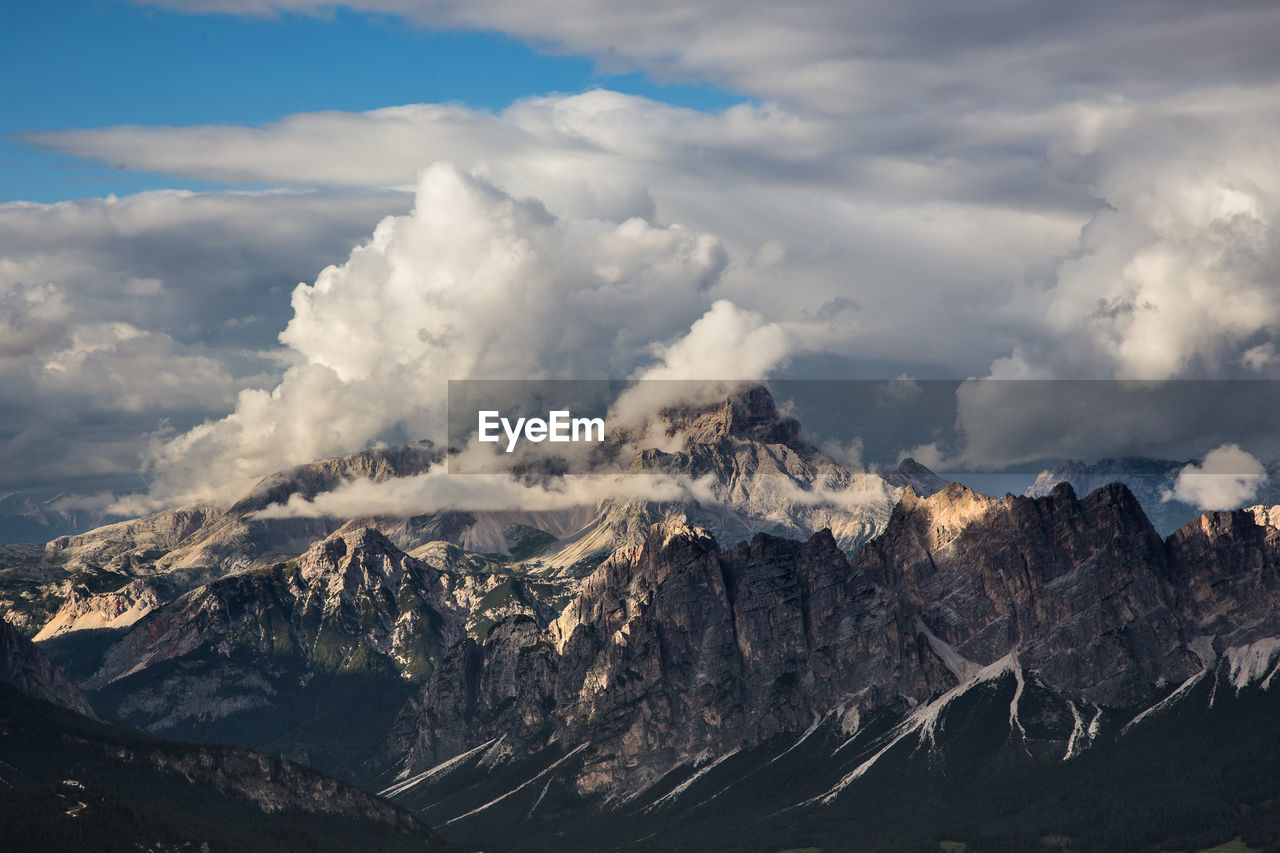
(1082, 736)
(1253, 664)
(960, 666)
(435, 772)
(817, 721)
(924, 720)
(675, 792)
(519, 787)
(1168, 700)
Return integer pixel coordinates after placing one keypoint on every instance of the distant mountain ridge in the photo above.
(1152, 481)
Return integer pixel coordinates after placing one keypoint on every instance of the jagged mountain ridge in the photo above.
(191, 620)
(111, 577)
(1152, 481)
(676, 652)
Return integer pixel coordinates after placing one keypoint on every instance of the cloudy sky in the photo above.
(241, 234)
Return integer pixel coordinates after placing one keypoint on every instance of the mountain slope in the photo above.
(71, 783)
(678, 663)
(29, 671)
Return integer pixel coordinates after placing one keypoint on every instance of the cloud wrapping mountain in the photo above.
(472, 283)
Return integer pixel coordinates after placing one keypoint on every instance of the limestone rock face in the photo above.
(1228, 566)
(675, 649)
(1082, 588)
(352, 603)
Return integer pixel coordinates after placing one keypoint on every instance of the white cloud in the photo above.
(1227, 478)
(862, 247)
(725, 343)
(438, 490)
(1175, 276)
(472, 284)
(866, 56)
(1023, 190)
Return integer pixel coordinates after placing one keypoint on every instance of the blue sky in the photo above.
(92, 63)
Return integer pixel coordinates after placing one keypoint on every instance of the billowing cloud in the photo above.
(1227, 478)
(472, 284)
(1009, 190)
(1176, 275)
(862, 242)
(123, 317)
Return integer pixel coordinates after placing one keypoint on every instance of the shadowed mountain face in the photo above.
(71, 782)
(747, 669)
(975, 634)
(28, 670)
(675, 646)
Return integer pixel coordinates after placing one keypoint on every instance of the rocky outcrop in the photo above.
(27, 668)
(748, 414)
(671, 648)
(1082, 588)
(675, 649)
(911, 473)
(1152, 482)
(1228, 574)
(352, 602)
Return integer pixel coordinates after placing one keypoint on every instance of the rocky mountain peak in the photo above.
(357, 556)
(917, 477)
(949, 510)
(749, 414)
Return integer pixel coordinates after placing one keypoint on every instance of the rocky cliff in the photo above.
(28, 669)
(675, 649)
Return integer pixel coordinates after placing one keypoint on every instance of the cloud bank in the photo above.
(1001, 189)
(472, 283)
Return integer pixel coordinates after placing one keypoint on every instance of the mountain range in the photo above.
(808, 656)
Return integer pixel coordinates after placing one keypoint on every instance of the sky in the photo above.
(237, 235)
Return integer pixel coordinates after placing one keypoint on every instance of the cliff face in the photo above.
(1228, 573)
(27, 668)
(1083, 589)
(674, 648)
(352, 606)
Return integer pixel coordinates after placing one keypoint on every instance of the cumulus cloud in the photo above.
(1016, 191)
(122, 318)
(472, 284)
(1227, 478)
(1175, 275)
(725, 343)
(862, 243)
